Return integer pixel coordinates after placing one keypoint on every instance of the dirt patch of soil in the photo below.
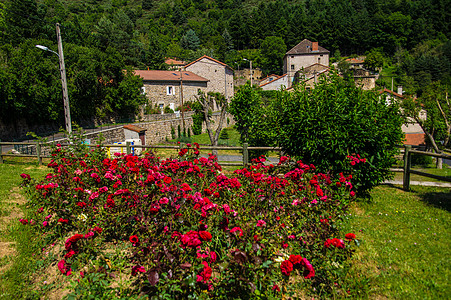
(14, 213)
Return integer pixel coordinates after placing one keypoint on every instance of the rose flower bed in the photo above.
(188, 230)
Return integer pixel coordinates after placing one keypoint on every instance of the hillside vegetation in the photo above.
(102, 38)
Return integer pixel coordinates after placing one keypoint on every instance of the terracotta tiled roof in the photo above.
(157, 75)
(278, 77)
(305, 47)
(210, 58)
(354, 61)
(175, 62)
(414, 139)
(134, 128)
(272, 75)
(390, 92)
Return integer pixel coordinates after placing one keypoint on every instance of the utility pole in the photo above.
(181, 97)
(252, 73)
(250, 61)
(63, 80)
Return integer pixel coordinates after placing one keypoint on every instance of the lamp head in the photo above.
(42, 47)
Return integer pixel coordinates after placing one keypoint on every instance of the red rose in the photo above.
(286, 267)
(295, 259)
(134, 240)
(350, 236)
(64, 221)
(205, 235)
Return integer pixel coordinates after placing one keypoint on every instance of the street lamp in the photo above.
(63, 77)
(250, 61)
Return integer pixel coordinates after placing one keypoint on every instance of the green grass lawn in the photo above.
(405, 242)
(16, 250)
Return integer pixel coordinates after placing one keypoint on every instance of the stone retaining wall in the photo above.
(157, 131)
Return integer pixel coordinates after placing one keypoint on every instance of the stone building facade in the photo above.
(219, 75)
(171, 88)
(303, 55)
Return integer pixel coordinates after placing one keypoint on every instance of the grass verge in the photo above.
(17, 265)
(404, 252)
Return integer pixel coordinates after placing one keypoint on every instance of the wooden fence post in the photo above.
(245, 154)
(1, 156)
(129, 148)
(38, 153)
(407, 159)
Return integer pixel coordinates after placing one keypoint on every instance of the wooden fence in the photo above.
(42, 151)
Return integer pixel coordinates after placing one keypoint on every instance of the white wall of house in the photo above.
(278, 84)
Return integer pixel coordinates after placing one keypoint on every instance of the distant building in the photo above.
(174, 64)
(170, 88)
(303, 55)
(218, 74)
(278, 83)
(414, 134)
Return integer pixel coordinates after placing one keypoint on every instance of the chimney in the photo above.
(400, 90)
(314, 46)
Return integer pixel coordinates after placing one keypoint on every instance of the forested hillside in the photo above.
(102, 38)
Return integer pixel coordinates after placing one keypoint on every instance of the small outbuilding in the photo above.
(133, 132)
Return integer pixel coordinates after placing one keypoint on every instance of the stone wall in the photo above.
(157, 130)
(157, 93)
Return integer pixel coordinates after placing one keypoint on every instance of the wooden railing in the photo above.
(42, 151)
(407, 169)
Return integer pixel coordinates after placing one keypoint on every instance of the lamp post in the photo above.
(252, 74)
(63, 77)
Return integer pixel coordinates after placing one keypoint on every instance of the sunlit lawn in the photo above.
(405, 242)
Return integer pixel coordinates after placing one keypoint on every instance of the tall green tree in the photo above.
(272, 51)
(190, 40)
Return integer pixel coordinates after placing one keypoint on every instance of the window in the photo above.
(292, 67)
(170, 90)
(143, 90)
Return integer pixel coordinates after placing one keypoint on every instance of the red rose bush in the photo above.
(186, 228)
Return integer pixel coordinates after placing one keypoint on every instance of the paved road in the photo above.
(423, 183)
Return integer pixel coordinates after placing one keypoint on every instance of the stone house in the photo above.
(269, 78)
(278, 83)
(174, 64)
(218, 74)
(303, 55)
(310, 75)
(171, 88)
(414, 134)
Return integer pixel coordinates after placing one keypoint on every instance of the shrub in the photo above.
(186, 230)
(332, 123)
(173, 133)
(224, 135)
(420, 160)
(198, 118)
(168, 110)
